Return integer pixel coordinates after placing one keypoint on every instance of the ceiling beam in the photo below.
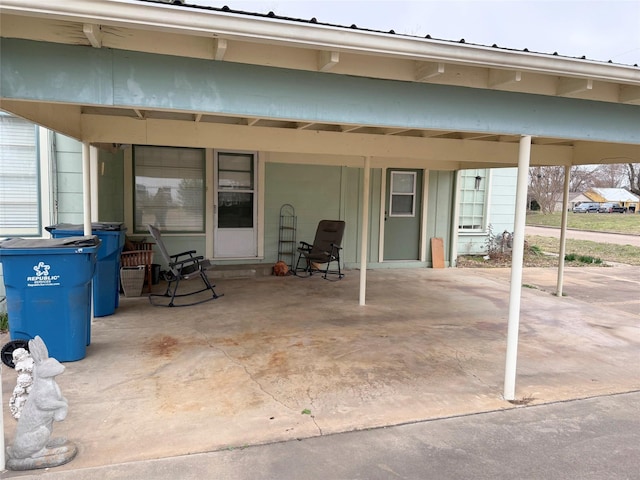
(219, 48)
(101, 129)
(349, 128)
(197, 117)
(327, 60)
(630, 94)
(252, 121)
(139, 113)
(500, 78)
(572, 86)
(396, 131)
(428, 70)
(303, 125)
(93, 34)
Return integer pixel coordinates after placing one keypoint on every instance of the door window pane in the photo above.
(235, 171)
(235, 210)
(402, 200)
(169, 189)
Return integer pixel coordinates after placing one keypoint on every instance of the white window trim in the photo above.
(482, 230)
(392, 193)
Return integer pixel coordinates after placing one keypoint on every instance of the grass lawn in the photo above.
(596, 222)
(607, 252)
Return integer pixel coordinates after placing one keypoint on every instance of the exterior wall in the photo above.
(110, 186)
(68, 171)
(500, 212)
(340, 199)
(440, 210)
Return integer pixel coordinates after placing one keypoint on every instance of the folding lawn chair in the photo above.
(182, 266)
(324, 251)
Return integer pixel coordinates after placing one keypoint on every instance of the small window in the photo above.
(169, 189)
(402, 199)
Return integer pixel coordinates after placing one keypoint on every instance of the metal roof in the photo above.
(315, 21)
(615, 194)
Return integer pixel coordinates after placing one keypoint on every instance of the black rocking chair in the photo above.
(324, 251)
(183, 266)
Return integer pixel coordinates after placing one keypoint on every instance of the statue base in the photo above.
(53, 455)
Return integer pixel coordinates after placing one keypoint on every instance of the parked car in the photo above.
(605, 208)
(611, 208)
(586, 207)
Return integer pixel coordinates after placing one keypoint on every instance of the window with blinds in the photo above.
(169, 189)
(19, 178)
(473, 200)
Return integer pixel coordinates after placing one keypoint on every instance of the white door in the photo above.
(234, 210)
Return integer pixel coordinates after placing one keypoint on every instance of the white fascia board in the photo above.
(194, 21)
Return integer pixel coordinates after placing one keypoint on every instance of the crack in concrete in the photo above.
(313, 417)
(467, 372)
(249, 374)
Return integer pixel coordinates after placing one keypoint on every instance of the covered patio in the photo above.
(287, 358)
(282, 358)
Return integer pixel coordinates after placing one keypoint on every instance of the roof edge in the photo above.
(213, 23)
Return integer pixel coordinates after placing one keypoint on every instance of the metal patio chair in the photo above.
(325, 250)
(182, 266)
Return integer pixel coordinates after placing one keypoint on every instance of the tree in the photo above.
(633, 173)
(610, 176)
(582, 178)
(546, 185)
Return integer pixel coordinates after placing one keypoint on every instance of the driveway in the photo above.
(600, 237)
(283, 358)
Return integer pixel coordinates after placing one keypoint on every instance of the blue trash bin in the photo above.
(106, 282)
(48, 287)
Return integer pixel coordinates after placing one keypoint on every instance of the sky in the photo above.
(599, 30)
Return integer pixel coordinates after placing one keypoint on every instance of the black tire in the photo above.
(6, 353)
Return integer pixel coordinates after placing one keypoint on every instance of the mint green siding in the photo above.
(440, 210)
(110, 186)
(67, 163)
(313, 190)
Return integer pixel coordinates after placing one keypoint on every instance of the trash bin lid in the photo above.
(103, 226)
(33, 243)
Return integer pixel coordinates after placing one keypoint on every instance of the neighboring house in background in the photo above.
(574, 199)
(615, 195)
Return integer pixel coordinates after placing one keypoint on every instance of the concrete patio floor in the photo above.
(280, 358)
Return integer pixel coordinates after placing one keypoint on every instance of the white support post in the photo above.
(86, 187)
(94, 174)
(517, 258)
(365, 230)
(563, 230)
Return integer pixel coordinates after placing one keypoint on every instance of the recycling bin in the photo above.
(106, 281)
(48, 289)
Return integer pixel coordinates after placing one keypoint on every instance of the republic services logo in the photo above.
(42, 269)
(42, 277)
